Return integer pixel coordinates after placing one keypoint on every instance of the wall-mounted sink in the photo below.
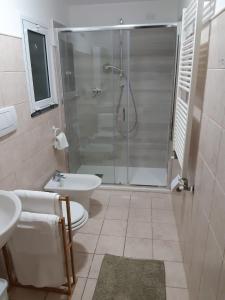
(10, 210)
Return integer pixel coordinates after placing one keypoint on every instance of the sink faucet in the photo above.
(58, 176)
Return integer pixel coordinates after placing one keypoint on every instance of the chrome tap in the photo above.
(58, 176)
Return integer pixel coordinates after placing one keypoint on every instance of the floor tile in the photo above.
(100, 197)
(89, 289)
(93, 226)
(79, 289)
(138, 248)
(120, 194)
(82, 263)
(114, 227)
(117, 213)
(85, 243)
(161, 195)
(26, 294)
(77, 294)
(162, 203)
(176, 294)
(121, 200)
(140, 202)
(110, 244)
(96, 265)
(175, 275)
(143, 195)
(97, 211)
(167, 250)
(139, 229)
(140, 214)
(163, 231)
(163, 216)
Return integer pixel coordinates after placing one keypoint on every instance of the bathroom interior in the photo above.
(112, 142)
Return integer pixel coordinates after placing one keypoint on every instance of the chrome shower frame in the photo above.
(117, 27)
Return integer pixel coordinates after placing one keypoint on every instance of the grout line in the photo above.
(125, 240)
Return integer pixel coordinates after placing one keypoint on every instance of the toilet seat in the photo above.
(79, 215)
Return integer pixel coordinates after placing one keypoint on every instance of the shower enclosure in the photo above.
(118, 91)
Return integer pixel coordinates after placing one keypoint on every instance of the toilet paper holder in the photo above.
(60, 139)
(56, 130)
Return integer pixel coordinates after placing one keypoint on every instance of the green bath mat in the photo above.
(124, 278)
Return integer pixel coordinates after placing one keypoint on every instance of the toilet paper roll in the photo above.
(61, 141)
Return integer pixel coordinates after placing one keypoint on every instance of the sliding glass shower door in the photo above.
(89, 101)
(118, 92)
(151, 77)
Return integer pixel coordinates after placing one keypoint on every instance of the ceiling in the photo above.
(102, 1)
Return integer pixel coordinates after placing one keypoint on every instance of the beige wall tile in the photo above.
(221, 290)
(211, 269)
(27, 156)
(204, 194)
(11, 59)
(217, 218)
(9, 183)
(202, 248)
(199, 245)
(15, 88)
(215, 89)
(217, 44)
(220, 172)
(210, 142)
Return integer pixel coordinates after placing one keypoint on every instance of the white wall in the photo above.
(220, 5)
(40, 10)
(132, 12)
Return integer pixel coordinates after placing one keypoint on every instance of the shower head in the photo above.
(109, 68)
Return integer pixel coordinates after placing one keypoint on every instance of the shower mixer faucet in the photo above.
(96, 92)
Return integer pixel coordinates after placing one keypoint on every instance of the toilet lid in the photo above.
(76, 211)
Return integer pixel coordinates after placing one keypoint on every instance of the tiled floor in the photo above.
(137, 225)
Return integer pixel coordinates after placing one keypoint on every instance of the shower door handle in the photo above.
(124, 114)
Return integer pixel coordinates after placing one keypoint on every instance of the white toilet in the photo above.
(79, 215)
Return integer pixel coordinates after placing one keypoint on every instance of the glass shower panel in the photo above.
(88, 101)
(152, 69)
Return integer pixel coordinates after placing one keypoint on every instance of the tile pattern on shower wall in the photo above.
(201, 219)
(92, 124)
(27, 158)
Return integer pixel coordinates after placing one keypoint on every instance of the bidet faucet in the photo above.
(58, 176)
